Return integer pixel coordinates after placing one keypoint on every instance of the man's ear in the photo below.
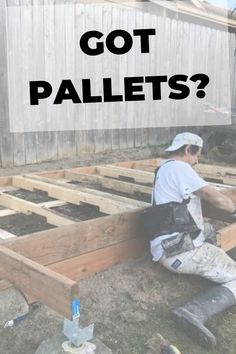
(187, 150)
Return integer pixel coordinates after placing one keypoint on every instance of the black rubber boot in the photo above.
(193, 315)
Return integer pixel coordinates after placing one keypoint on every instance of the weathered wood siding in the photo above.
(33, 147)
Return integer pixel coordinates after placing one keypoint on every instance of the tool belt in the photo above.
(164, 219)
(182, 242)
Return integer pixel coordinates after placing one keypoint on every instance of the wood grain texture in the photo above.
(25, 206)
(227, 237)
(55, 245)
(106, 202)
(49, 287)
(87, 264)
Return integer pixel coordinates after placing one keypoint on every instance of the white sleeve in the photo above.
(188, 180)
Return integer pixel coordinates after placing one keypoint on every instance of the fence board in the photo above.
(59, 54)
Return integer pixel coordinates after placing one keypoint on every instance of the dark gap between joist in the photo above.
(21, 224)
(132, 180)
(79, 212)
(214, 180)
(35, 197)
(136, 195)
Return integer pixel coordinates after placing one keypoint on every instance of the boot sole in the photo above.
(194, 328)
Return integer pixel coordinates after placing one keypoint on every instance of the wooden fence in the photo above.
(19, 148)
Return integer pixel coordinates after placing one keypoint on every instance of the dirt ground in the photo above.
(129, 303)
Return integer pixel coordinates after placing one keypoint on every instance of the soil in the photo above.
(129, 303)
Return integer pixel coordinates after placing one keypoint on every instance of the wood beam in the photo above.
(107, 202)
(51, 174)
(94, 192)
(7, 212)
(105, 182)
(87, 264)
(24, 206)
(116, 172)
(46, 205)
(210, 211)
(73, 240)
(49, 287)
(216, 171)
(83, 266)
(227, 237)
(215, 174)
(4, 235)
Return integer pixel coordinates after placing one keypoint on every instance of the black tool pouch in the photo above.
(168, 218)
(175, 245)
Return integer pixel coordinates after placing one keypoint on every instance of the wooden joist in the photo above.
(76, 250)
(105, 182)
(46, 205)
(24, 206)
(5, 235)
(82, 266)
(219, 174)
(116, 172)
(94, 192)
(227, 237)
(108, 203)
(49, 287)
(80, 238)
(83, 248)
(7, 212)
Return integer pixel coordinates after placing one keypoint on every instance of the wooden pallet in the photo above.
(47, 265)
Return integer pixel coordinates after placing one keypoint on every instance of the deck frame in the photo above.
(74, 250)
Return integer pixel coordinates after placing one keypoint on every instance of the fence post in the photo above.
(6, 138)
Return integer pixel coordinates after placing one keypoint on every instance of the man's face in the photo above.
(192, 159)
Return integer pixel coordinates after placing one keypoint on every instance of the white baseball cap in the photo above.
(185, 139)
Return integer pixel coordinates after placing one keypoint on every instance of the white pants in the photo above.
(208, 261)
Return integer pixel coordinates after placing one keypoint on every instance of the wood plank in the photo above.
(217, 171)
(49, 287)
(116, 172)
(218, 174)
(46, 205)
(5, 181)
(132, 163)
(223, 180)
(202, 167)
(105, 182)
(7, 212)
(6, 138)
(19, 149)
(86, 170)
(73, 240)
(210, 211)
(107, 203)
(4, 284)
(87, 264)
(52, 204)
(4, 235)
(51, 174)
(227, 237)
(31, 141)
(97, 193)
(8, 189)
(24, 206)
(142, 167)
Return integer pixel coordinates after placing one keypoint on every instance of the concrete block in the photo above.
(12, 305)
(54, 346)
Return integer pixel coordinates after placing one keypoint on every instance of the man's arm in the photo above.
(216, 198)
